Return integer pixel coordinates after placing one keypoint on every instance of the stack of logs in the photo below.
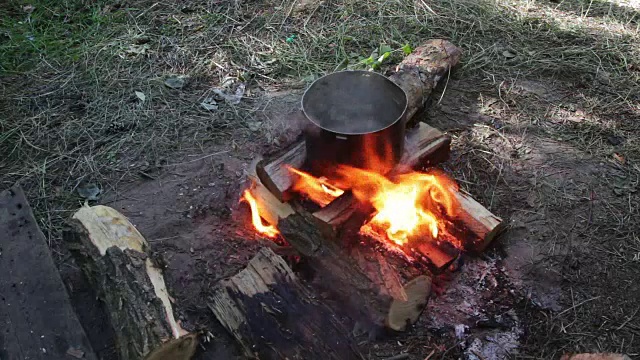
(271, 312)
(352, 278)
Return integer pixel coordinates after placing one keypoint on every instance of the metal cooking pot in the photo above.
(356, 118)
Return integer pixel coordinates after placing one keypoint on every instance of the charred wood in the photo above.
(273, 316)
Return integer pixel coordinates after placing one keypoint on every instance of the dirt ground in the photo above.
(532, 294)
(543, 111)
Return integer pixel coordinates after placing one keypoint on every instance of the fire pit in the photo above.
(367, 224)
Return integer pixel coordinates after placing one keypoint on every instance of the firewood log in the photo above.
(273, 316)
(369, 295)
(419, 73)
(116, 260)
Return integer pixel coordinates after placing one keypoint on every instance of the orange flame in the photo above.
(266, 230)
(411, 204)
(406, 206)
(318, 190)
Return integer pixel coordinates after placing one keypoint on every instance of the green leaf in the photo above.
(369, 60)
(384, 48)
(342, 65)
(406, 48)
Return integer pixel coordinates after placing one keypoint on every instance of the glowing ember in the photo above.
(317, 190)
(266, 230)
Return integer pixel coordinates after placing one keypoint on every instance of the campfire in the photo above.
(407, 208)
(362, 212)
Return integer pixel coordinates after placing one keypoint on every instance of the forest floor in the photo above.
(157, 108)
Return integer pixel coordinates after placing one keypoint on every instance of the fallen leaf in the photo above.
(603, 77)
(176, 82)
(209, 104)
(76, 353)
(254, 125)
(140, 40)
(619, 157)
(234, 98)
(137, 49)
(141, 96)
(89, 192)
(508, 54)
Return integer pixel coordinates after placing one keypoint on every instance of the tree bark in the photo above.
(115, 259)
(419, 73)
(273, 316)
(365, 285)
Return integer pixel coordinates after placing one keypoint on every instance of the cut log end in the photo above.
(403, 313)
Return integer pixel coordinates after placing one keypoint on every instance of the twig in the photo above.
(428, 7)
(198, 159)
(402, 356)
(430, 354)
(629, 319)
(477, 354)
(445, 87)
(575, 306)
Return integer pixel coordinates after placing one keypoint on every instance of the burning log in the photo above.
(424, 146)
(273, 316)
(115, 259)
(372, 294)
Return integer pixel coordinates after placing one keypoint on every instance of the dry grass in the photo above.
(71, 70)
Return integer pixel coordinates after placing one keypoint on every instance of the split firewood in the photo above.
(367, 296)
(425, 146)
(274, 317)
(269, 207)
(419, 73)
(332, 217)
(116, 260)
(274, 173)
(475, 225)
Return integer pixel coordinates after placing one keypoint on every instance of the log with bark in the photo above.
(273, 316)
(116, 260)
(419, 73)
(364, 284)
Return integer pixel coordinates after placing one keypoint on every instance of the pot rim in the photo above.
(399, 118)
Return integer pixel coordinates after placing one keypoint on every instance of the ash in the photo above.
(477, 305)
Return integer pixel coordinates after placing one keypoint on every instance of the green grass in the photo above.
(33, 31)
